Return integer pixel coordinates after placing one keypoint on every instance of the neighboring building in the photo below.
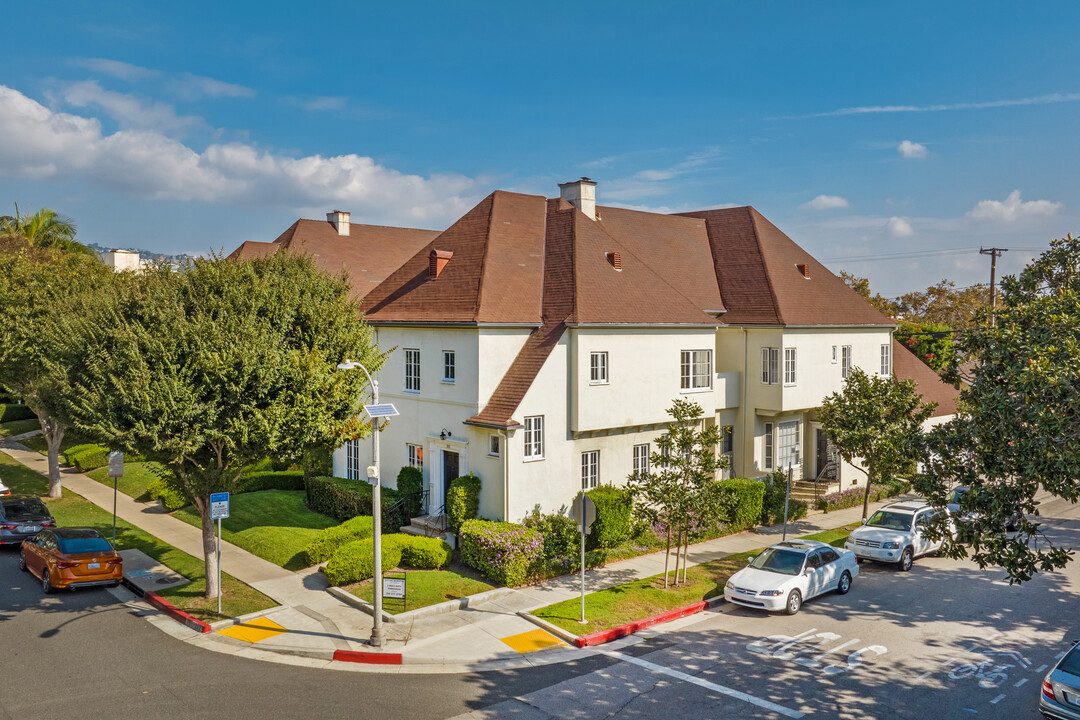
(120, 260)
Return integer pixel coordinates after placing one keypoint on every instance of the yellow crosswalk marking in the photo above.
(533, 640)
(253, 631)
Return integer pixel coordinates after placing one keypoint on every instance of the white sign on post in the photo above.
(394, 588)
(219, 506)
(116, 464)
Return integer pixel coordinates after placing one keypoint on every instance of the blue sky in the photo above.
(909, 133)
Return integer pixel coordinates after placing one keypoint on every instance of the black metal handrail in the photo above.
(827, 475)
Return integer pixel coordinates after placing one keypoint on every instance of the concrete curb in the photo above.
(552, 628)
(222, 624)
(166, 607)
(439, 609)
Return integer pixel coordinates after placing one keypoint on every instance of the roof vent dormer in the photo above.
(615, 258)
(581, 194)
(437, 261)
(804, 269)
(340, 220)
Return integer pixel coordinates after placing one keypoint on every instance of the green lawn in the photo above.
(18, 427)
(72, 510)
(426, 587)
(644, 598)
(274, 524)
(137, 476)
(71, 437)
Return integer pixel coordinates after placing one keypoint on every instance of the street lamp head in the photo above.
(347, 365)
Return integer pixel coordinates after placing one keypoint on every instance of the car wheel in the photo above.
(46, 583)
(906, 559)
(794, 602)
(844, 585)
(859, 560)
(115, 584)
(22, 561)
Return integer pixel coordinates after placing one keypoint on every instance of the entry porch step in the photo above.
(426, 526)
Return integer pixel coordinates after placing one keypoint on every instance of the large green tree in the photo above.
(44, 229)
(680, 485)
(223, 362)
(1018, 427)
(38, 286)
(941, 304)
(876, 422)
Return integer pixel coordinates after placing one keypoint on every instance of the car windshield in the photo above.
(1071, 662)
(787, 562)
(23, 510)
(890, 520)
(957, 494)
(84, 545)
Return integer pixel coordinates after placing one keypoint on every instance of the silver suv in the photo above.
(894, 534)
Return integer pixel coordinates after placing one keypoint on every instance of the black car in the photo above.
(22, 517)
(956, 498)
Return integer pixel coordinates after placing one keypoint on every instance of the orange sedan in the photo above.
(71, 558)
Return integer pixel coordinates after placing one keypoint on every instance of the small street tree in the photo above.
(220, 364)
(681, 482)
(877, 420)
(1018, 426)
(37, 286)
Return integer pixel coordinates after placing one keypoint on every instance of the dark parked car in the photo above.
(1060, 697)
(21, 518)
(954, 507)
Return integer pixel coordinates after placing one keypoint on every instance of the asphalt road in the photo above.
(85, 655)
(946, 640)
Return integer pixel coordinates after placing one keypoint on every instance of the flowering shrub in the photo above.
(504, 553)
(854, 496)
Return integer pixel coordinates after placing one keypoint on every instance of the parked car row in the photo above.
(59, 557)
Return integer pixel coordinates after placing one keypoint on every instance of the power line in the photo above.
(901, 256)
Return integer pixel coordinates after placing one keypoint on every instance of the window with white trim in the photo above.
(412, 370)
(590, 469)
(787, 444)
(494, 445)
(834, 354)
(449, 369)
(352, 460)
(598, 368)
(789, 366)
(770, 366)
(534, 437)
(845, 361)
(886, 360)
(641, 459)
(696, 370)
(416, 456)
(768, 454)
(727, 449)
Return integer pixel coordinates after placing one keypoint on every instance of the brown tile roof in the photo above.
(369, 253)
(518, 379)
(933, 389)
(757, 267)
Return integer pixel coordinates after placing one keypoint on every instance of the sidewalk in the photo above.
(311, 626)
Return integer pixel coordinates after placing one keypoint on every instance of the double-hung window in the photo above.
(641, 459)
(412, 370)
(845, 361)
(449, 369)
(770, 366)
(534, 437)
(590, 469)
(727, 448)
(789, 366)
(696, 370)
(886, 360)
(598, 368)
(769, 452)
(416, 456)
(352, 460)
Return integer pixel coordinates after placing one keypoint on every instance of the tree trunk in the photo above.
(686, 556)
(209, 546)
(678, 550)
(54, 435)
(866, 495)
(667, 555)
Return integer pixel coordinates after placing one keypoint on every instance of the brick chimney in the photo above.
(340, 220)
(581, 194)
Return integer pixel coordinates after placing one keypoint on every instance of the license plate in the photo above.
(93, 566)
(1071, 699)
(31, 528)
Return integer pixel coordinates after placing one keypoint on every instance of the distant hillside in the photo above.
(143, 254)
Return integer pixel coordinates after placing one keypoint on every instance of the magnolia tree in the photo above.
(875, 420)
(218, 365)
(1018, 426)
(681, 482)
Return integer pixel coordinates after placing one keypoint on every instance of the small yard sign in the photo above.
(393, 588)
(219, 506)
(116, 464)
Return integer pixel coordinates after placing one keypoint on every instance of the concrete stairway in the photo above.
(804, 490)
(426, 526)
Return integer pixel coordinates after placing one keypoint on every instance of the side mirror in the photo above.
(750, 559)
(864, 521)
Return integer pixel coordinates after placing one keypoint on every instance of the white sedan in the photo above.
(788, 573)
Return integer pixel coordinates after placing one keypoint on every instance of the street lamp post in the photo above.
(376, 505)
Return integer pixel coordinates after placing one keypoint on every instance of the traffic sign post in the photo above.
(219, 509)
(116, 470)
(584, 511)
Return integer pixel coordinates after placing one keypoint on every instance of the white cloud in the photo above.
(1012, 208)
(127, 110)
(42, 143)
(825, 202)
(899, 227)
(117, 69)
(1050, 99)
(910, 149)
(195, 87)
(326, 102)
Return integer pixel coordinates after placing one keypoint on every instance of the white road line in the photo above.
(926, 674)
(998, 699)
(1041, 668)
(972, 648)
(653, 667)
(1020, 682)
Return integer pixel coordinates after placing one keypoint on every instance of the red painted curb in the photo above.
(179, 615)
(368, 657)
(603, 636)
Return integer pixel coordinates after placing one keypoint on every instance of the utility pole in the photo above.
(994, 253)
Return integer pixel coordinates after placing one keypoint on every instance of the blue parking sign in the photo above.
(219, 506)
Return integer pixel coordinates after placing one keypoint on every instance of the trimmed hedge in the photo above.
(343, 499)
(614, 509)
(326, 543)
(271, 480)
(170, 498)
(410, 487)
(462, 501)
(855, 495)
(772, 510)
(747, 497)
(93, 456)
(355, 561)
(10, 412)
(504, 553)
